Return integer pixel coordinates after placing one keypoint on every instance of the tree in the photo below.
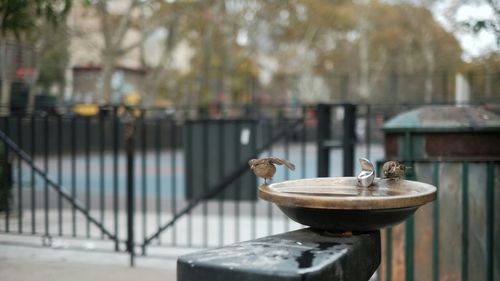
(493, 25)
(404, 41)
(141, 18)
(29, 22)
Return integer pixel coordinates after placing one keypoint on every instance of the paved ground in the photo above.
(21, 270)
(21, 261)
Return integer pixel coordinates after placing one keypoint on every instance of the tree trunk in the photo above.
(156, 78)
(106, 76)
(205, 68)
(5, 91)
(429, 60)
(32, 92)
(364, 61)
(227, 98)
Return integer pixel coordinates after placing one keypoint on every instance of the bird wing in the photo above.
(366, 164)
(279, 161)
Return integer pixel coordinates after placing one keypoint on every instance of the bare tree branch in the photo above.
(125, 23)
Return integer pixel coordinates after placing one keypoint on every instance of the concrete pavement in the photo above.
(25, 261)
(24, 270)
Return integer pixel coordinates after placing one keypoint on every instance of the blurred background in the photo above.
(235, 53)
(162, 102)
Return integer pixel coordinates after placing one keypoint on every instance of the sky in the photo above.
(474, 45)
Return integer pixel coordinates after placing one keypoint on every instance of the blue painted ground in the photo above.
(97, 174)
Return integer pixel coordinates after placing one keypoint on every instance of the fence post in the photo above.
(129, 121)
(115, 146)
(349, 139)
(323, 134)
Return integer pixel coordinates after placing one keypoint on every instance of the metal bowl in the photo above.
(338, 204)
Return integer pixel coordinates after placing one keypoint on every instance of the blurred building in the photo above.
(86, 47)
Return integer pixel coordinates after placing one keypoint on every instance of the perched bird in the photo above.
(264, 168)
(393, 170)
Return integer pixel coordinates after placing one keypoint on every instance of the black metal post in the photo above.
(323, 134)
(349, 139)
(19, 178)
(116, 143)
(368, 131)
(173, 162)
(130, 150)
(101, 121)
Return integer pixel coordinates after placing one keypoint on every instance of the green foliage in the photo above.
(54, 11)
(477, 26)
(16, 16)
(53, 58)
(20, 16)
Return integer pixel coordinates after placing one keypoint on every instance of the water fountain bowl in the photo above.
(339, 204)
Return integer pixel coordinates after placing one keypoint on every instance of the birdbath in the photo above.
(345, 215)
(341, 204)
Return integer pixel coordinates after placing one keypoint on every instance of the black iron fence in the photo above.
(175, 182)
(188, 179)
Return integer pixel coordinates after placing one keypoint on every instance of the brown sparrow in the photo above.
(264, 168)
(393, 170)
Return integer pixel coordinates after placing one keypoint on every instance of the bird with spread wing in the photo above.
(264, 167)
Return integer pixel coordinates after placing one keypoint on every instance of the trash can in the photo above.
(19, 98)
(5, 180)
(438, 132)
(214, 150)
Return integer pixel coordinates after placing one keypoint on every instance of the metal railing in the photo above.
(68, 179)
(72, 173)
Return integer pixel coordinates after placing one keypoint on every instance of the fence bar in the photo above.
(33, 180)
(490, 219)
(253, 210)
(287, 171)
(101, 170)
(173, 165)
(323, 134)
(130, 149)
(237, 192)
(222, 167)
(368, 130)
(303, 134)
(409, 248)
(158, 172)
(5, 179)
(73, 174)
(87, 172)
(465, 220)
(188, 168)
(270, 204)
(410, 230)
(388, 254)
(143, 176)
(435, 224)
(115, 174)
(349, 139)
(59, 173)
(19, 179)
(46, 171)
(205, 164)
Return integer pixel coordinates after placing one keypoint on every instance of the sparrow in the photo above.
(393, 170)
(264, 168)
